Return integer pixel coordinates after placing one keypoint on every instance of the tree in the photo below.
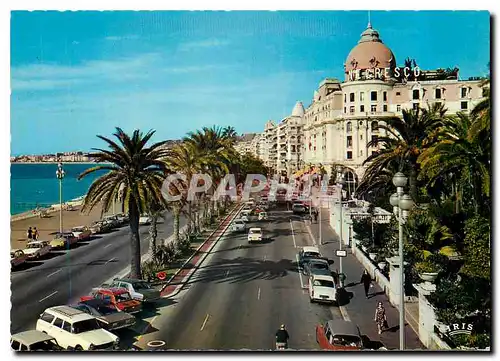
(406, 138)
(477, 253)
(138, 170)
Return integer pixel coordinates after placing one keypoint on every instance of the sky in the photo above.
(75, 75)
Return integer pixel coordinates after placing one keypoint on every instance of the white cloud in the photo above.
(124, 37)
(207, 43)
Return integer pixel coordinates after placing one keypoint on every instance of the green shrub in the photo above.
(427, 266)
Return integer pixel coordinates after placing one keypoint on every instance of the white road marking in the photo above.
(258, 294)
(293, 234)
(298, 271)
(53, 273)
(107, 245)
(344, 313)
(264, 257)
(311, 235)
(227, 273)
(204, 322)
(52, 294)
(109, 260)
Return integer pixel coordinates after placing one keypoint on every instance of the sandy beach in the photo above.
(46, 226)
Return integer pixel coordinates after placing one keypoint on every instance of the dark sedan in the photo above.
(308, 253)
(317, 266)
(107, 315)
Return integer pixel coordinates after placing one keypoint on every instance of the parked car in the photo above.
(34, 340)
(119, 297)
(255, 235)
(339, 335)
(107, 314)
(144, 219)
(37, 249)
(112, 221)
(83, 233)
(17, 258)
(139, 290)
(63, 240)
(263, 216)
(74, 329)
(322, 288)
(299, 208)
(316, 266)
(122, 218)
(307, 253)
(238, 225)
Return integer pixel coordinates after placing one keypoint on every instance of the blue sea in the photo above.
(35, 185)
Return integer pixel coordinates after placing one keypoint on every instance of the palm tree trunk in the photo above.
(135, 242)
(413, 183)
(177, 213)
(153, 233)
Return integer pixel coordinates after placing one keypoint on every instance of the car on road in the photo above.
(139, 290)
(83, 233)
(98, 227)
(298, 208)
(245, 215)
(339, 335)
(63, 240)
(122, 218)
(255, 235)
(263, 216)
(238, 225)
(37, 249)
(75, 329)
(322, 288)
(307, 253)
(112, 221)
(107, 314)
(144, 219)
(316, 266)
(119, 297)
(34, 340)
(17, 258)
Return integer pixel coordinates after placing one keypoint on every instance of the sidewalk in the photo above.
(359, 309)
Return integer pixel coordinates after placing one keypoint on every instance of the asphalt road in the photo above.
(240, 296)
(62, 279)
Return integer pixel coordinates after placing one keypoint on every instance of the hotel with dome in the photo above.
(335, 129)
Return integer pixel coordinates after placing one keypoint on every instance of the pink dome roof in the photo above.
(370, 52)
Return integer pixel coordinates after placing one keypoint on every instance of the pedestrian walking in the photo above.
(380, 318)
(30, 233)
(315, 216)
(35, 233)
(366, 280)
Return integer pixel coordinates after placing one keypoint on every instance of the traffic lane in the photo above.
(68, 285)
(274, 298)
(205, 299)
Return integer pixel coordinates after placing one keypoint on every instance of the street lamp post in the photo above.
(401, 202)
(60, 176)
(340, 184)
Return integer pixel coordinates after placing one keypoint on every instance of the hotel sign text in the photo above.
(384, 73)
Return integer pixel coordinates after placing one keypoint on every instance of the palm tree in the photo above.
(138, 171)
(481, 113)
(155, 211)
(457, 160)
(406, 138)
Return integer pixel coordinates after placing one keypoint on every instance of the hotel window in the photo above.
(374, 127)
(415, 106)
(349, 141)
(361, 136)
(351, 109)
(361, 152)
(349, 155)
(438, 93)
(385, 96)
(385, 107)
(351, 97)
(361, 96)
(361, 108)
(463, 105)
(416, 94)
(374, 140)
(373, 108)
(463, 92)
(398, 107)
(345, 111)
(345, 98)
(373, 96)
(398, 94)
(349, 127)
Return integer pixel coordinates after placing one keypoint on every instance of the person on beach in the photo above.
(366, 280)
(30, 233)
(35, 234)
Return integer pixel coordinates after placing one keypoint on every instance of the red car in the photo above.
(339, 335)
(119, 297)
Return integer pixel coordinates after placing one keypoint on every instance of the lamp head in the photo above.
(399, 179)
(406, 203)
(394, 199)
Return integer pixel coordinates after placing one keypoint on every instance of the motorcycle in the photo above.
(281, 346)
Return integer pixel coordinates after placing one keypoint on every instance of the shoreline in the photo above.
(75, 202)
(58, 163)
